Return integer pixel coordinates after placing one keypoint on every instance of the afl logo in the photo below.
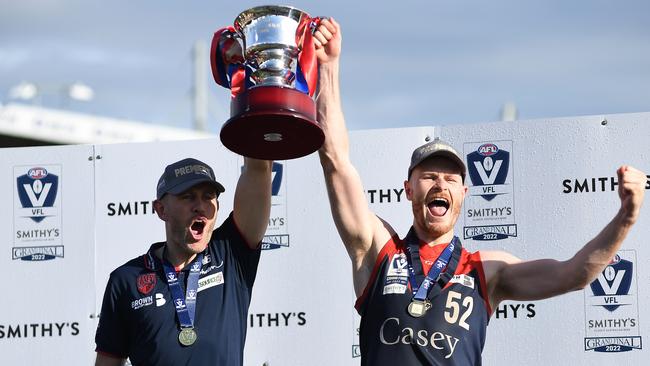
(37, 173)
(488, 149)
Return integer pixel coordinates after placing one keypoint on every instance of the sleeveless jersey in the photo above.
(451, 332)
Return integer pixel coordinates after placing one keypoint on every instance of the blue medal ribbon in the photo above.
(421, 292)
(185, 304)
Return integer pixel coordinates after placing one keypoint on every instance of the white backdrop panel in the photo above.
(553, 197)
(548, 160)
(47, 255)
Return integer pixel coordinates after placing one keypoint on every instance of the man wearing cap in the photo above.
(423, 299)
(185, 301)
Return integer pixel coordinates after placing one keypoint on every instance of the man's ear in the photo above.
(159, 207)
(408, 190)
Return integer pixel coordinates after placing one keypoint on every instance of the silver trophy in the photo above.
(268, 61)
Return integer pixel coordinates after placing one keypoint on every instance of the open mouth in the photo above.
(438, 206)
(197, 227)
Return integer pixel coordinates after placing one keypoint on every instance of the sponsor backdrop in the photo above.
(47, 256)
(538, 188)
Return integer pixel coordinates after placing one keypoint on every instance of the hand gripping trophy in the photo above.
(268, 61)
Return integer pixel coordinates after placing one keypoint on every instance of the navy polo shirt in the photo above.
(138, 319)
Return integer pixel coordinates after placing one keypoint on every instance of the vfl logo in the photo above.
(37, 191)
(171, 277)
(488, 166)
(179, 304)
(399, 263)
(191, 295)
(397, 275)
(615, 280)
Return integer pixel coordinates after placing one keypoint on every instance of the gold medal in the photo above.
(187, 336)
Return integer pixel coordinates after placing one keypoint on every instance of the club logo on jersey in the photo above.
(146, 282)
(611, 305)
(277, 232)
(489, 212)
(37, 213)
(396, 280)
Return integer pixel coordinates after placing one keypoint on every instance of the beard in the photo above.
(435, 228)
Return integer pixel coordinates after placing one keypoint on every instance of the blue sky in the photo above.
(404, 63)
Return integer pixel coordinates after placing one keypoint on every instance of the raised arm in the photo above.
(361, 231)
(252, 206)
(510, 278)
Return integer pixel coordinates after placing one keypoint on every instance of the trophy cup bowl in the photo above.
(270, 118)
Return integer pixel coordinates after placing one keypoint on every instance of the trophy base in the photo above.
(272, 123)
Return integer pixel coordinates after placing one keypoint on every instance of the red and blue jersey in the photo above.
(138, 319)
(451, 332)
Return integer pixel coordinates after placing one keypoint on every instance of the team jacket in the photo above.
(138, 319)
(452, 332)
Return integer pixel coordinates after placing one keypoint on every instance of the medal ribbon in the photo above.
(227, 67)
(185, 304)
(421, 292)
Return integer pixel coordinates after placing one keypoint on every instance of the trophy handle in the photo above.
(227, 60)
(307, 71)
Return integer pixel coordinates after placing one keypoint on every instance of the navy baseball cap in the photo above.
(185, 174)
(437, 147)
